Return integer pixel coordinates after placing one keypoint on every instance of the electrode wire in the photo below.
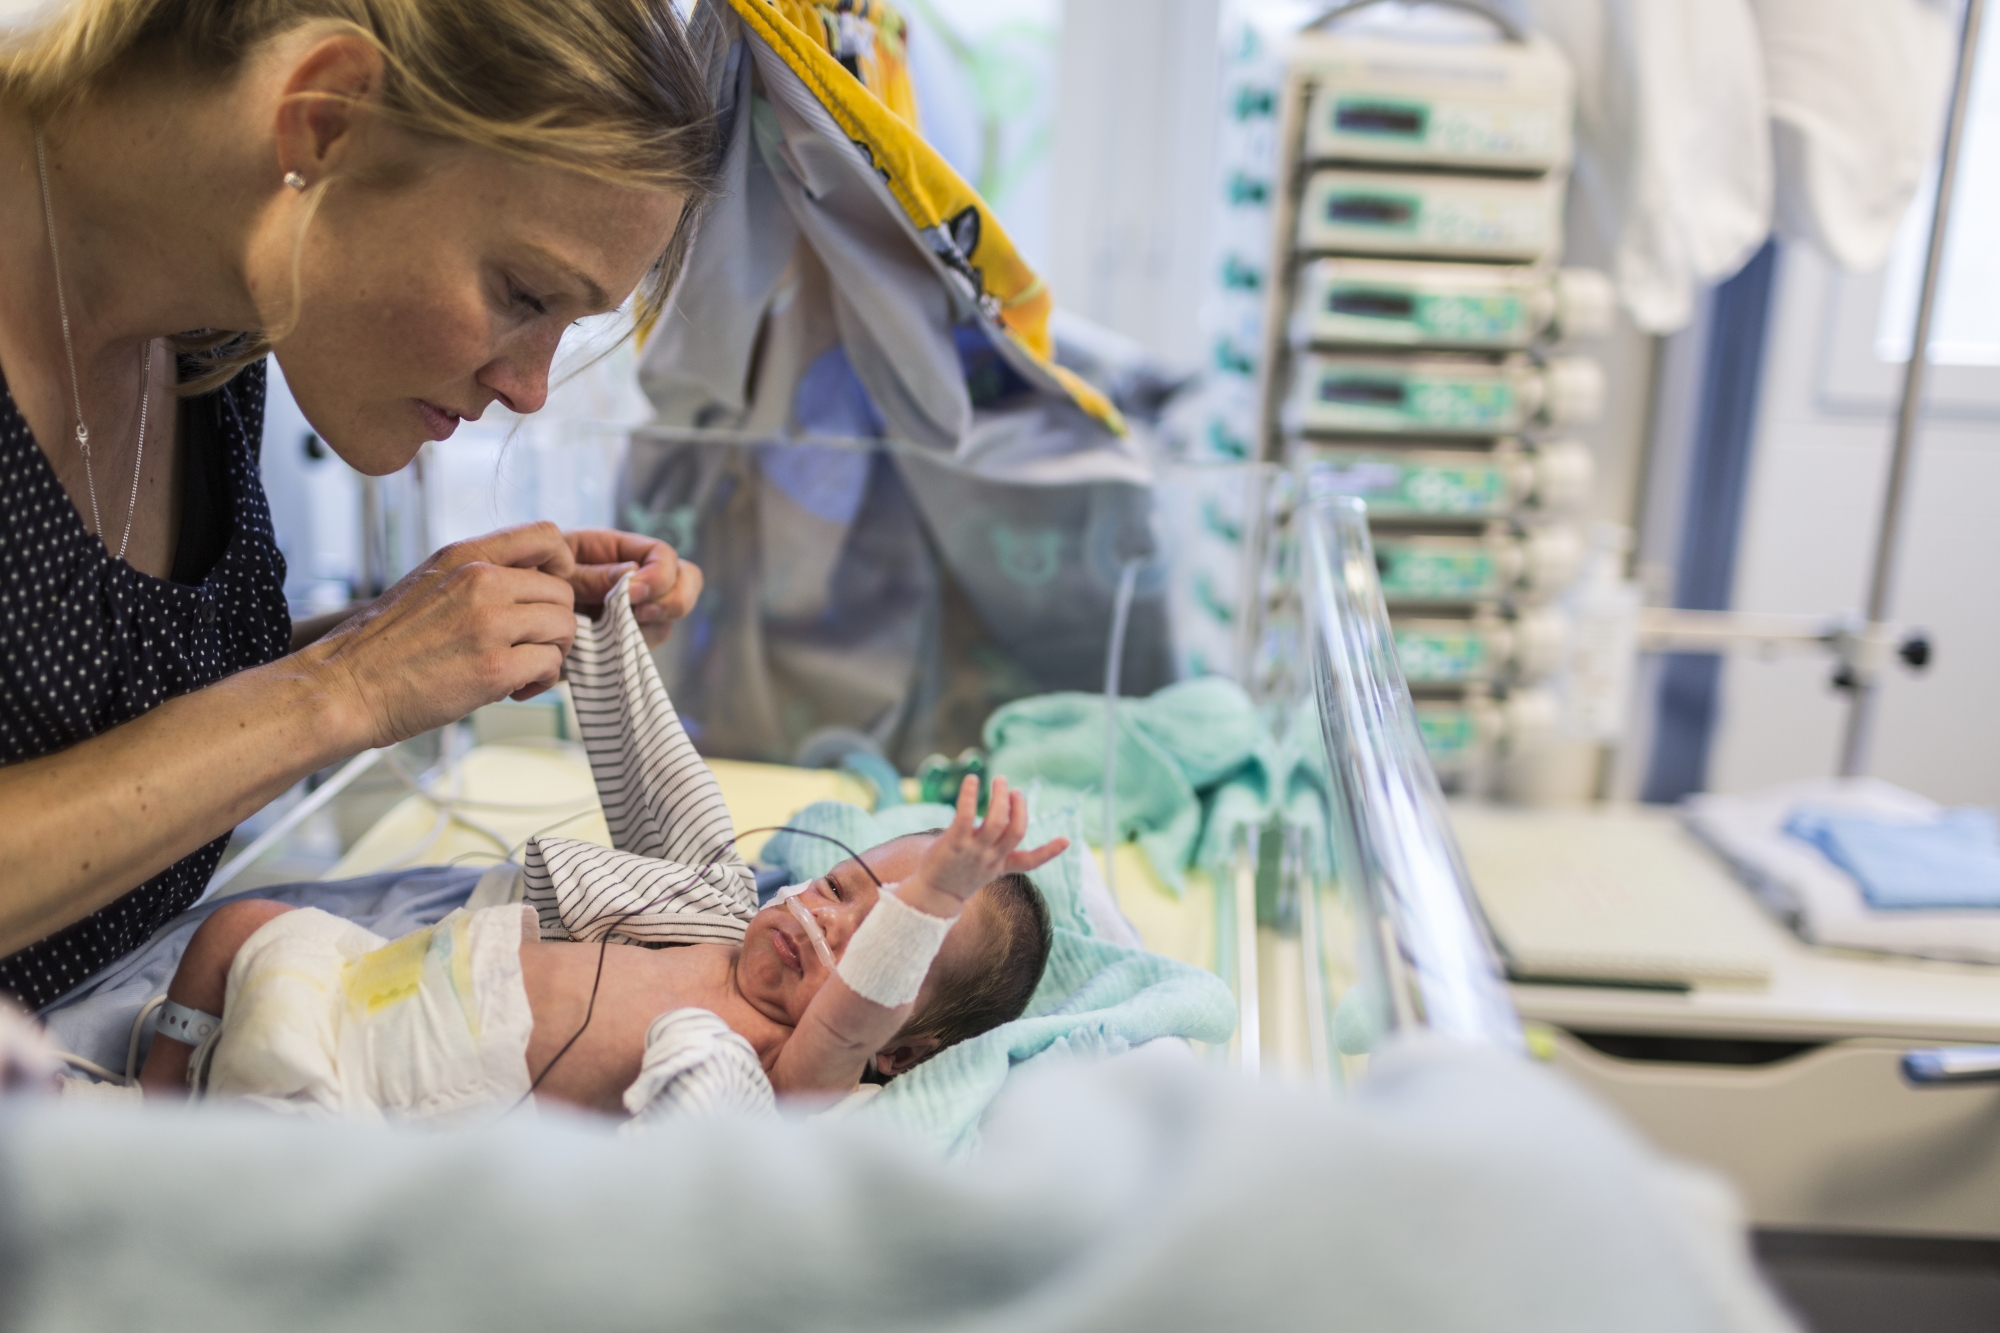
(604, 943)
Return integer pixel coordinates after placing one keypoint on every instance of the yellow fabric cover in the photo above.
(933, 196)
(883, 66)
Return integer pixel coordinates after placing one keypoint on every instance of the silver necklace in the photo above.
(75, 385)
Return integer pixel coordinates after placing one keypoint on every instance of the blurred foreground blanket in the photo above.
(1456, 1191)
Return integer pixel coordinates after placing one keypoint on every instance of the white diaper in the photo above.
(323, 1017)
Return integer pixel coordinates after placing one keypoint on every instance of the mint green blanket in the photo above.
(1096, 998)
(1198, 763)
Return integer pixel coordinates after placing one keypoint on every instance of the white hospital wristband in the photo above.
(889, 956)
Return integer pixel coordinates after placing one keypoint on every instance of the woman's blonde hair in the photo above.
(613, 89)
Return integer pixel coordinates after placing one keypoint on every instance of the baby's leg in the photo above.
(200, 983)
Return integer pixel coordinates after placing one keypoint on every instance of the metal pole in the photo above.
(1861, 712)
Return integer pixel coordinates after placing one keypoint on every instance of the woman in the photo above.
(407, 201)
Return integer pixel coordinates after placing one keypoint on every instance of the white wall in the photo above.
(1135, 126)
(1808, 536)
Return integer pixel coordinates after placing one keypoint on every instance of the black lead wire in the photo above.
(699, 876)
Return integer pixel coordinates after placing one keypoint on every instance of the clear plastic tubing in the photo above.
(1114, 661)
(813, 932)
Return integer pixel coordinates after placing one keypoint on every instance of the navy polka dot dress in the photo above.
(88, 642)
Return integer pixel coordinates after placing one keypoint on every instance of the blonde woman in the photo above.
(407, 201)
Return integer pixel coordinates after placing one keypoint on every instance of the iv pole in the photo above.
(1863, 679)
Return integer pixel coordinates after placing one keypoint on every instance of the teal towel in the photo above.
(1197, 765)
(1096, 998)
(1950, 863)
(1284, 779)
(1184, 738)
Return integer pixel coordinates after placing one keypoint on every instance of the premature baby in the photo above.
(888, 958)
(809, 1028)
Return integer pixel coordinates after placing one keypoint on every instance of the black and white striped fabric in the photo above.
(695, 1065)
(673, 874)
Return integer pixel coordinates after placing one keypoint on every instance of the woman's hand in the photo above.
(665, 590)
(480, 621)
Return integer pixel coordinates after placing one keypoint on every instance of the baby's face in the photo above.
(779, 971)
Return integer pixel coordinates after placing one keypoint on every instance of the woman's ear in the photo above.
(316, 109)
(904, 1056)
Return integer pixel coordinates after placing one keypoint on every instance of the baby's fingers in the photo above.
(1017, 822)
(999, 805)
(967, 818)
(1021, 862)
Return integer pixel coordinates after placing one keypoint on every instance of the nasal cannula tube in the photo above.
(813, 932)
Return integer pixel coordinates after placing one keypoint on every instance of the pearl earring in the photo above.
(296, 181)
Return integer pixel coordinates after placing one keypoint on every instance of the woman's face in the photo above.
(779, 972)
(423, 304)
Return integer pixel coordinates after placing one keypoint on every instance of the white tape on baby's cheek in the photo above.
(889, 956)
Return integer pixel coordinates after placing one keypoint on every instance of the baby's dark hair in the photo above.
(995, 989)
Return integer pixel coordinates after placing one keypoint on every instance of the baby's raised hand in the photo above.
(970, 854)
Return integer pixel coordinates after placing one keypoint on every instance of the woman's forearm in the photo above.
(81, 827)
(478, 621)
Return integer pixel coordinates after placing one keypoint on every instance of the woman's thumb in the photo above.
(593, 583)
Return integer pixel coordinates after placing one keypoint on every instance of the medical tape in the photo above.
(813, 932)
(890, 955)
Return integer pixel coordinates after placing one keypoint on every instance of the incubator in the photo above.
(1499, 107)
(1446, 217)
(1442, 394)
(1386, 302)
(1551, 477)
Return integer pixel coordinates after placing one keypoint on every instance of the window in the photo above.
(1868, 338)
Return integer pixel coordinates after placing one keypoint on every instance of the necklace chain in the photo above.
(76, 385)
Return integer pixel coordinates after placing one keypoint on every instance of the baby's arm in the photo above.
(842, 1029)
(200, 982)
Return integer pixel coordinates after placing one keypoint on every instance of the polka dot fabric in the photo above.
(88, 642)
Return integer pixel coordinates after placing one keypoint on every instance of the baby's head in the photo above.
(983, 976)
(1004, 940)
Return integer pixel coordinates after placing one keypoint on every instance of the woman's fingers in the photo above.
(477, 622)
(529, 546)
(611, 555)
(593, 583)
(665, 587)
(541, 663)
(607, 546)
(678, 601)
(495, 584)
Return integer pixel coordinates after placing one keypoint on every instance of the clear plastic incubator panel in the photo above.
(1422, 958)
(1348, 917)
